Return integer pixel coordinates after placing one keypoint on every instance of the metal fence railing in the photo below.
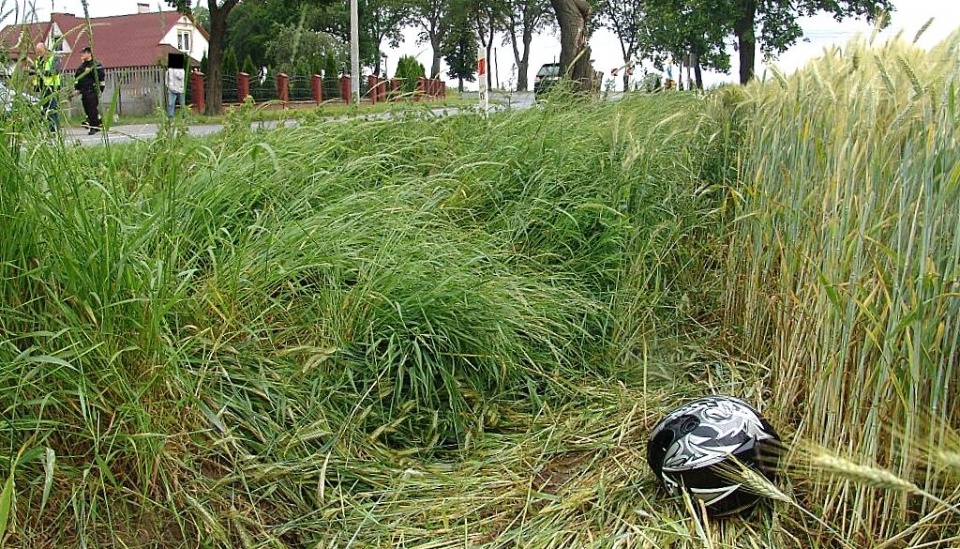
(142, 90)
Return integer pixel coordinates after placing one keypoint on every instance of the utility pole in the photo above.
(354, 53)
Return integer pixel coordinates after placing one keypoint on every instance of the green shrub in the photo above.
(409, 70)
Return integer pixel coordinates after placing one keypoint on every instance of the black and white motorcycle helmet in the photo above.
(689, 448)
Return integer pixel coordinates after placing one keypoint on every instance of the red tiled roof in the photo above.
(14, 38)
(118, 41)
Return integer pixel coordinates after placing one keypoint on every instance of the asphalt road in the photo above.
(127, 133)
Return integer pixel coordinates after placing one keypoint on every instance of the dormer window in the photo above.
(183, 40)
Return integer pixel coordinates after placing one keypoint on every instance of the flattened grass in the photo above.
(263, 337)
(457, 331)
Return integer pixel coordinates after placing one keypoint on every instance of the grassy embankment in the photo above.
(458, 332)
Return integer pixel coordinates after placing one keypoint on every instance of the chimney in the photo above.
(143, 7)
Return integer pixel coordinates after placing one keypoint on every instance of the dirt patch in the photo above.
(558, 471)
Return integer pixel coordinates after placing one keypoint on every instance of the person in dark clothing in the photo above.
(90, 82)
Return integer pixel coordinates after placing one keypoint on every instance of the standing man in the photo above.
(175, 77)
(90, 82)
(46, 82)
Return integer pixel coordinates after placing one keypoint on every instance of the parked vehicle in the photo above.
(9, 96)
(547, 76)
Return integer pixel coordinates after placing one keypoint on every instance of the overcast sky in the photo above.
(821, 32)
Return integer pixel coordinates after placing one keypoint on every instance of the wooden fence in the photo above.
(141, 91)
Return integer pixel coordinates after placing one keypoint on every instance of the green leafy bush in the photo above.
(409, 70)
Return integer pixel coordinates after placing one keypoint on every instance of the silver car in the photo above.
(9, 96)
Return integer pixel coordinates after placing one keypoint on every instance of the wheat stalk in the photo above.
(865, 474)
(755, 483)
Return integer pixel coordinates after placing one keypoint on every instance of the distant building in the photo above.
(141, 39)
(132, 48)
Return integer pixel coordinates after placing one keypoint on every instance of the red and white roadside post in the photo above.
(482, 78)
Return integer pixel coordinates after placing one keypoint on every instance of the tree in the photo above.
(460, 47)
(432, 18)
(229, 64)
(331, 77)
(293, 46)
(409, 70)
(627, 19)
(691, 30)
(249, 67)
(777, 21)
(219, 10)
(250, 26)
(201, 16)
(254, 24)
(489, 17)
(526, 18)
(334, 18)
(384, 20)
(573, 17)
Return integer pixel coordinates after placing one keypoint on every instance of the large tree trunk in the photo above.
(214, 91)
(522, 59)
(572, 17)
(491, 65)
(745, 30)
(435, 43)
(485, 31)
(521, 74)
(218, 27)
(523, 66)
(697, 71)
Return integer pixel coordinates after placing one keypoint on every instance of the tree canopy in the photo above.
(774, 26)
(662, 32)
(523, 19)
(460, 46)
(433, 19)
(218, 11)
(694, 31)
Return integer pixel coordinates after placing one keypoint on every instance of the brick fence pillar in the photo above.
(283, 88)
(196, 89)
(345, 89)
(396, 88)
(382, 84)
(421, 88)
(243, 86)
(316, 86)
(372, 85)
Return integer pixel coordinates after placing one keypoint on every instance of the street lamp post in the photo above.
(354, 53)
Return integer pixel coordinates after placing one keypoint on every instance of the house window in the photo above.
(183, 40)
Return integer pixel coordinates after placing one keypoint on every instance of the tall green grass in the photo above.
(842, 272)
(458, 331)
(251, 339)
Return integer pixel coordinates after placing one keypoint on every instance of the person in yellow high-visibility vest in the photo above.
(46, 82)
